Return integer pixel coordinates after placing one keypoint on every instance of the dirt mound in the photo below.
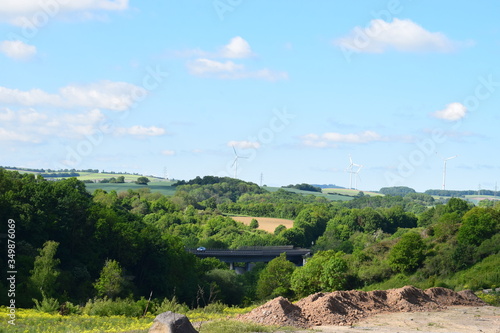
(278, 311)
(348, 307)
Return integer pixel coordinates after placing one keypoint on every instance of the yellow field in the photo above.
(265, 223)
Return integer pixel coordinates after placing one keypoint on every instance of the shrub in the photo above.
(48, 305)
(492, 298)
(170, 305)
(216, 307)
(407, 255)
(68, 308)
(106, 307)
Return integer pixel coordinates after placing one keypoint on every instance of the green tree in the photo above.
(407, 255)
(279, 229)
(254, 224)
(44, 274)
(479, 224)
(228, 287)
(274, 280)
(111, 281)
(142, 180)
(120, 179)
(325, 271)
(334, 275)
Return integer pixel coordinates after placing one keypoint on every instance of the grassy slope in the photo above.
(349, 192)
(165, 188)
(333, 197)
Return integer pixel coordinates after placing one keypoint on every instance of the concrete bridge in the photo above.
(253, 254)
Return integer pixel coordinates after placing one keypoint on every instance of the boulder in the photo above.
(170, 322)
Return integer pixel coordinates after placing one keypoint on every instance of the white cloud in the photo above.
(452, 112)
(17, 50)
(333, 138)
(118, 96)
(207, 66)
(401, 35)
(168, 152)
(35, 126)
(231, 70)
(6, 135)
(138, 130)
(236, 49)
(244, 144)
(24, 12)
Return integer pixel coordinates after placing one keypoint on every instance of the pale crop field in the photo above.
(265, 223)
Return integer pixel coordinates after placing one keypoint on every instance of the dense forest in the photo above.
(71, 245)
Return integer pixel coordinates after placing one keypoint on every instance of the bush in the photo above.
(170, 305)
(106, 307)
(216, 307)
(48, 305)
(407, 255)
(492, 298)
(68, 308)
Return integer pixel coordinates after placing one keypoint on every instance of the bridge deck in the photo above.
(257, 254)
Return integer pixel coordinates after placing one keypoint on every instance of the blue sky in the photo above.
(295, 87)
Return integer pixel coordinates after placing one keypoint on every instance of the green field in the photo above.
(99, 176)
(333, 197)
(349, 192)
(164, 188)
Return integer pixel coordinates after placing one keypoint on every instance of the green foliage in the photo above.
(325, 271)
(170, 305)
(482, 275)
(492, 298)
(111, 281)
(231, 326)
(47, 304)
(334, 275)
(147, 233)
(304, 187)
(396, 190)
(225, 286)
(215, 307)
(254, 224)
(408, 254)
(45, 273)
(279, 229)
(478, 225)
(68, 308)
(274, 280)
(142, 181)
(106, 307)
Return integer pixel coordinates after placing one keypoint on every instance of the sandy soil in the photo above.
(268, 224)
(484, 319)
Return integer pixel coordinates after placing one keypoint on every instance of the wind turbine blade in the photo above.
(235, 160)
(234, 149)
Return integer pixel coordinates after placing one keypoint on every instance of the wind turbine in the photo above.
(444, 169)
(357, 176)
(351, 170)
(235, 162)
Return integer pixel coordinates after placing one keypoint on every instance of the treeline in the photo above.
(74, 246)
(452, 193)
(60, 175)
(304, 187)
(50, 170)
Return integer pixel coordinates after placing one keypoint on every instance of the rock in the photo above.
(170, 322)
